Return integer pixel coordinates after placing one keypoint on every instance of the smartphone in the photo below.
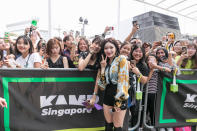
(152, 59)
(171, 35)
(77, 33)
(184, 49)
(4, 55)
(135, 23)
(111, 28)
(43, 45)
(133, 62)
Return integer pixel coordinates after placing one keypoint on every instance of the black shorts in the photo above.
(109, 95)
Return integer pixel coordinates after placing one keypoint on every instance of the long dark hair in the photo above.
(97, 40)
(135, 47)
(165, 51)
(27, 41)
(112, 41)
(194, 58)
(86, 41)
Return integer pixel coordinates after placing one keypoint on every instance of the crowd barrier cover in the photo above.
(46, 100)
(174, 109)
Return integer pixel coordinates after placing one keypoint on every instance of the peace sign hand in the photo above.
(103, 62)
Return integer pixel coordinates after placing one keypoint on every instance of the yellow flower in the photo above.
(122, 63)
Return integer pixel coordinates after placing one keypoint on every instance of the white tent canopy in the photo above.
(186, 8)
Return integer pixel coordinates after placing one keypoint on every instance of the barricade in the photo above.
(161, 122)
(47, 107)
(50, 99)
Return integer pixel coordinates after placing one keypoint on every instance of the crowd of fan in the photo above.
(81, 53)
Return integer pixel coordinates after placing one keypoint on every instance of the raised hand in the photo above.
(103, 62)
(3, 102)
(91, 49)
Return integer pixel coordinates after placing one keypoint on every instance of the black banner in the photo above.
(45, 100)
(174, 109)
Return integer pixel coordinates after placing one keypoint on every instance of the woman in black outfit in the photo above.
(55, 60)
(138, 69)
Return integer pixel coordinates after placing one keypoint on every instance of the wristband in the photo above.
(139, 75)
(95, 93)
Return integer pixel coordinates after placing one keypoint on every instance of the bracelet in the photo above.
(139, 75)
(163, 69)
(95, 93)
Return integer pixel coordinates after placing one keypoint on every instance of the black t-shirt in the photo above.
(58, 64)
(143, 68)
(66, 53)
(93, 67)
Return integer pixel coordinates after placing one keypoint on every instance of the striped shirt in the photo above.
(152, 83)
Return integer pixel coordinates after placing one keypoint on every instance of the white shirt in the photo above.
(29, 60)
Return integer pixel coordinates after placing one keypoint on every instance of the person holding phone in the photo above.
(7, 54)
(41, 49)
(107, 29)
(152, 84)
(147, 47)
(33, 33)
(170, 41)
(162, 56)
(178, 47)
(188, 59)
(138, 69)
(115, 81)
(133, 31)
(69, 49)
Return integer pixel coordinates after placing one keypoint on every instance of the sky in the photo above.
(66, 13)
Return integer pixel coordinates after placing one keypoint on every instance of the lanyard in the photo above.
(26, 64)
(138, 83)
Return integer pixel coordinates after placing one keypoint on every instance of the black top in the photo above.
(143, 68)
(58, 64)
(93, 67)
(66, 53)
